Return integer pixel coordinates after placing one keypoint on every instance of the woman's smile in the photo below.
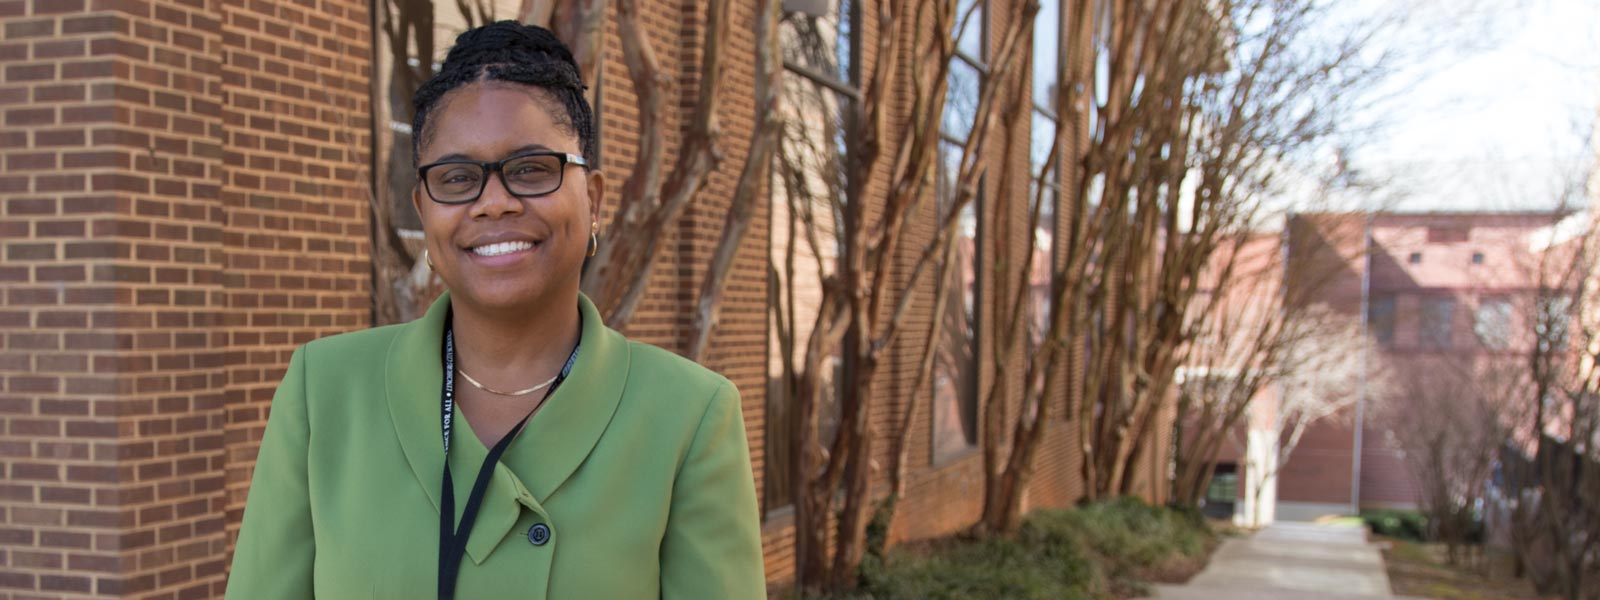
(502, 249)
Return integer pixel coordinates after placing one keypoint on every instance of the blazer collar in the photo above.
(555, 442)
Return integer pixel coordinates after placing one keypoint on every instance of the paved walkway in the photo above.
(1290, 560)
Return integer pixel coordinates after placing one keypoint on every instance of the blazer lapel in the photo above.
(551, 448)
(414, 375)
(566, 429)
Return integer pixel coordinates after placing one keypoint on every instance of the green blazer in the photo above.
(638, 465)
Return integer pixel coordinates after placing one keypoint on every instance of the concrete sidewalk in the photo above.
(1290, 560)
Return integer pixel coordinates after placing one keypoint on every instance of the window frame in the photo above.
(967, 399)
(774, 507)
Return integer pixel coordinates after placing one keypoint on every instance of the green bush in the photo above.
(989, 568)
(1402, 524)
(1095, 552)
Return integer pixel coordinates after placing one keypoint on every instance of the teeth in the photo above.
(501, 248)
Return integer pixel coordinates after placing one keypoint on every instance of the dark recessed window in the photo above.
(1437, 317)
(1380, 318)
(1477, 258)
(1415, 258)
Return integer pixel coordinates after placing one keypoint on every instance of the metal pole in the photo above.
(1366, 342)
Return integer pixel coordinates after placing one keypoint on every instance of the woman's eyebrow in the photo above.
(521, 150)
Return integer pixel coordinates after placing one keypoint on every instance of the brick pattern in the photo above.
(112, 262)
(296, 125)
(145, 270)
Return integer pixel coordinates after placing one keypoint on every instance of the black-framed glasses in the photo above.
(523, 175)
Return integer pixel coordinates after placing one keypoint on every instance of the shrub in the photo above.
(1401, 524)
(1095, 552)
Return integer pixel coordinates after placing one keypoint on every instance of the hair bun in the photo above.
(515, 53)
(505, 42)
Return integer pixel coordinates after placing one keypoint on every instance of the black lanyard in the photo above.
(453, 540)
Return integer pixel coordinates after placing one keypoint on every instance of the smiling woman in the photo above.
(605, 456)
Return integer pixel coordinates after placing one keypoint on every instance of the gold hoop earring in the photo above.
(427, 259)
(594, 243)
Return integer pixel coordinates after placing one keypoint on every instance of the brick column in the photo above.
(182, 199)
(112, 401)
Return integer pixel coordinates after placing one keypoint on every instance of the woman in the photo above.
(507, 444)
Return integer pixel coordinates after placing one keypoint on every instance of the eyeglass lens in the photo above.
(523, 176)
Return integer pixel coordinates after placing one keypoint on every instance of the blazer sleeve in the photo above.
(712, 545)
(274, 553)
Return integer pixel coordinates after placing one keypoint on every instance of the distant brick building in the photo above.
(1430, 285)
(185, 199)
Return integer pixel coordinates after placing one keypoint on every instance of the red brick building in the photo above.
(1435, 284)
(184, 199)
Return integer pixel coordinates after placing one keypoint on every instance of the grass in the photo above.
(1341, 521)
(1103, 551)
(1420, 570)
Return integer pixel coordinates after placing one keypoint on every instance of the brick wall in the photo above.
(173, 170)
(112, 405)
(296, 113)
(1321, 468)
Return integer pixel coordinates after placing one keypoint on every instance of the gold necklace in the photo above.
(525, 392)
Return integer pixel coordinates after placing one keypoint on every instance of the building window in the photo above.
(1492, 323)
(1223, 492)
(1415, 258)
(1380, 318)
(1554, 314)
(955, 374)
(1045, 170)
(820, 48)
(1224, 486)
(1437, 314)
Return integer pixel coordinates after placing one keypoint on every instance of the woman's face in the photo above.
(501, 251)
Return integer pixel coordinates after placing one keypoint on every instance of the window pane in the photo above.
(955, 376)
(961, 99)
(821, 43)
(1041, 137)
(1039, 274)
(807, 185)
(1437, 314)
(1492, 323)
(1223, 488)
(1554, 312)
(842, 41)
(1380, 318)
(971, 40)
(1046, 47)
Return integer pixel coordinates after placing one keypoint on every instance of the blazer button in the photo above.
(539, 534)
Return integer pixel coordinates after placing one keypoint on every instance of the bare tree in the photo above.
(1209, 111)
(850, 251)
(1319, 379)
(1449, 431)
(1555, 511)
(1263, 309)
(405, 48)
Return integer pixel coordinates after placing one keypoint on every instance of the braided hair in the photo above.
(512, 52)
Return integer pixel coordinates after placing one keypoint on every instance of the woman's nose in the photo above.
(496, 200)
